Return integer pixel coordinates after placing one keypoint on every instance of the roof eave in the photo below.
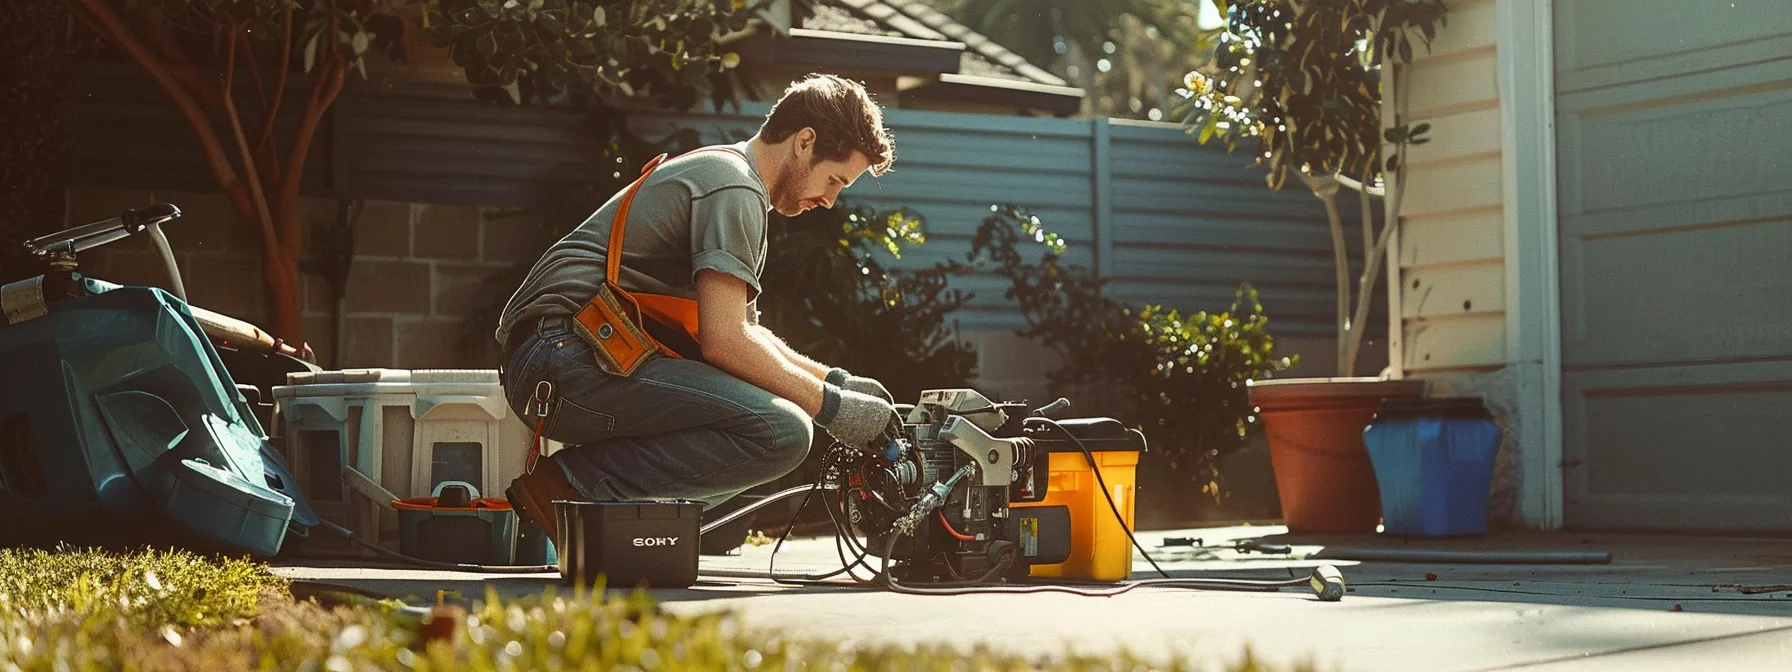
(853, 51)
(1058, 100)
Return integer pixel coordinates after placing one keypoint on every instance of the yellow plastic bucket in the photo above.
(1099, 548)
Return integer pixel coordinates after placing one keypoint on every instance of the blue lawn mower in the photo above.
(121, 423)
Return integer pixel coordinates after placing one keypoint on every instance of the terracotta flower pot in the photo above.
(1315, 431)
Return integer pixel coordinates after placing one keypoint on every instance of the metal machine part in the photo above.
(995, 458)
(936, 405)
(935, 504)
(938, 497)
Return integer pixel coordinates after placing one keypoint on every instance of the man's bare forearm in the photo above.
(732, 341)
(756, 360)
(810, 366)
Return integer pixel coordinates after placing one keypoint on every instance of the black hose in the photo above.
(844, 541)
(810, 490)
(433, 564)
(771, 570)
(731, 516)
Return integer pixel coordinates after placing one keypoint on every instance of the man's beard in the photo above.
(786, 199)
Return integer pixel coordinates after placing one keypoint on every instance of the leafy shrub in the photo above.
(1182, 376)
(827, 294)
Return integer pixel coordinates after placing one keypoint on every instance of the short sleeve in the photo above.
(728, 234)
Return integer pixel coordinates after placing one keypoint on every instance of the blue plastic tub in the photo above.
(1433, 461)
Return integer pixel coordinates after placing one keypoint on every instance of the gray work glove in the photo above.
(856, 419)
(847, 381)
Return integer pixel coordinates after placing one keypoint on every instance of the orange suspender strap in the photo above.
(669, 310)
(613, 257)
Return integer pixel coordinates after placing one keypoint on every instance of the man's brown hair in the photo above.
(843, 115)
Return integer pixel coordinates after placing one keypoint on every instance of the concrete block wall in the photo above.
(420, 274)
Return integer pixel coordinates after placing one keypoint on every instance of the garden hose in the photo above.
(433, 564)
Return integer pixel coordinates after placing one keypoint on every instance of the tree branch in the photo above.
(1371, 274)
(261, 92)
(1326, 189)
(111, 27)
(1391, 213)
(265, 142)
(257, 194)
(1368, 223)
(86, 20)
(1354, 185)
(323, 93)
(179, 65)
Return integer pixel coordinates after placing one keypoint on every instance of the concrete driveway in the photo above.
(1672, 603)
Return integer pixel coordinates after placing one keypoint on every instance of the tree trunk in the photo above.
(1326, 189)
(283, 299)
(284, 304)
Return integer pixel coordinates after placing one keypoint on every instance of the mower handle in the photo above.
(88, 236)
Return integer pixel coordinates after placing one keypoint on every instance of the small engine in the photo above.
(937, 503)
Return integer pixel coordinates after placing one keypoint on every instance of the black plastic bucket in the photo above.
(630, 544)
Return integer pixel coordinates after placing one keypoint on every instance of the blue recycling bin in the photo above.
(1433, 461)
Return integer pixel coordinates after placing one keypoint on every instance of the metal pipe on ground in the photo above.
(1466, 557)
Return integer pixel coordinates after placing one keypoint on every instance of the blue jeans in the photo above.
(676, 429)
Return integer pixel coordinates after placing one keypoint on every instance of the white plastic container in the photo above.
(407, 431)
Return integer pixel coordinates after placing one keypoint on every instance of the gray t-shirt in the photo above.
(702, 210)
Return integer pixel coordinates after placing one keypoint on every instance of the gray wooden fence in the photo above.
(1169, 221)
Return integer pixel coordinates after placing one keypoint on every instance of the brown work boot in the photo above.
(533, 495)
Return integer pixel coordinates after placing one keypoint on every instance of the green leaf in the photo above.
(311, 52)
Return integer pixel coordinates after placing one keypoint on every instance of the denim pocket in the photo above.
(573, 349)
(572, 424)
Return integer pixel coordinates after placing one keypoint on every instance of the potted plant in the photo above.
(1301, 82)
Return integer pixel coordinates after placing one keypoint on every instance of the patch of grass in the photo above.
(89, 610)
(147, 589)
